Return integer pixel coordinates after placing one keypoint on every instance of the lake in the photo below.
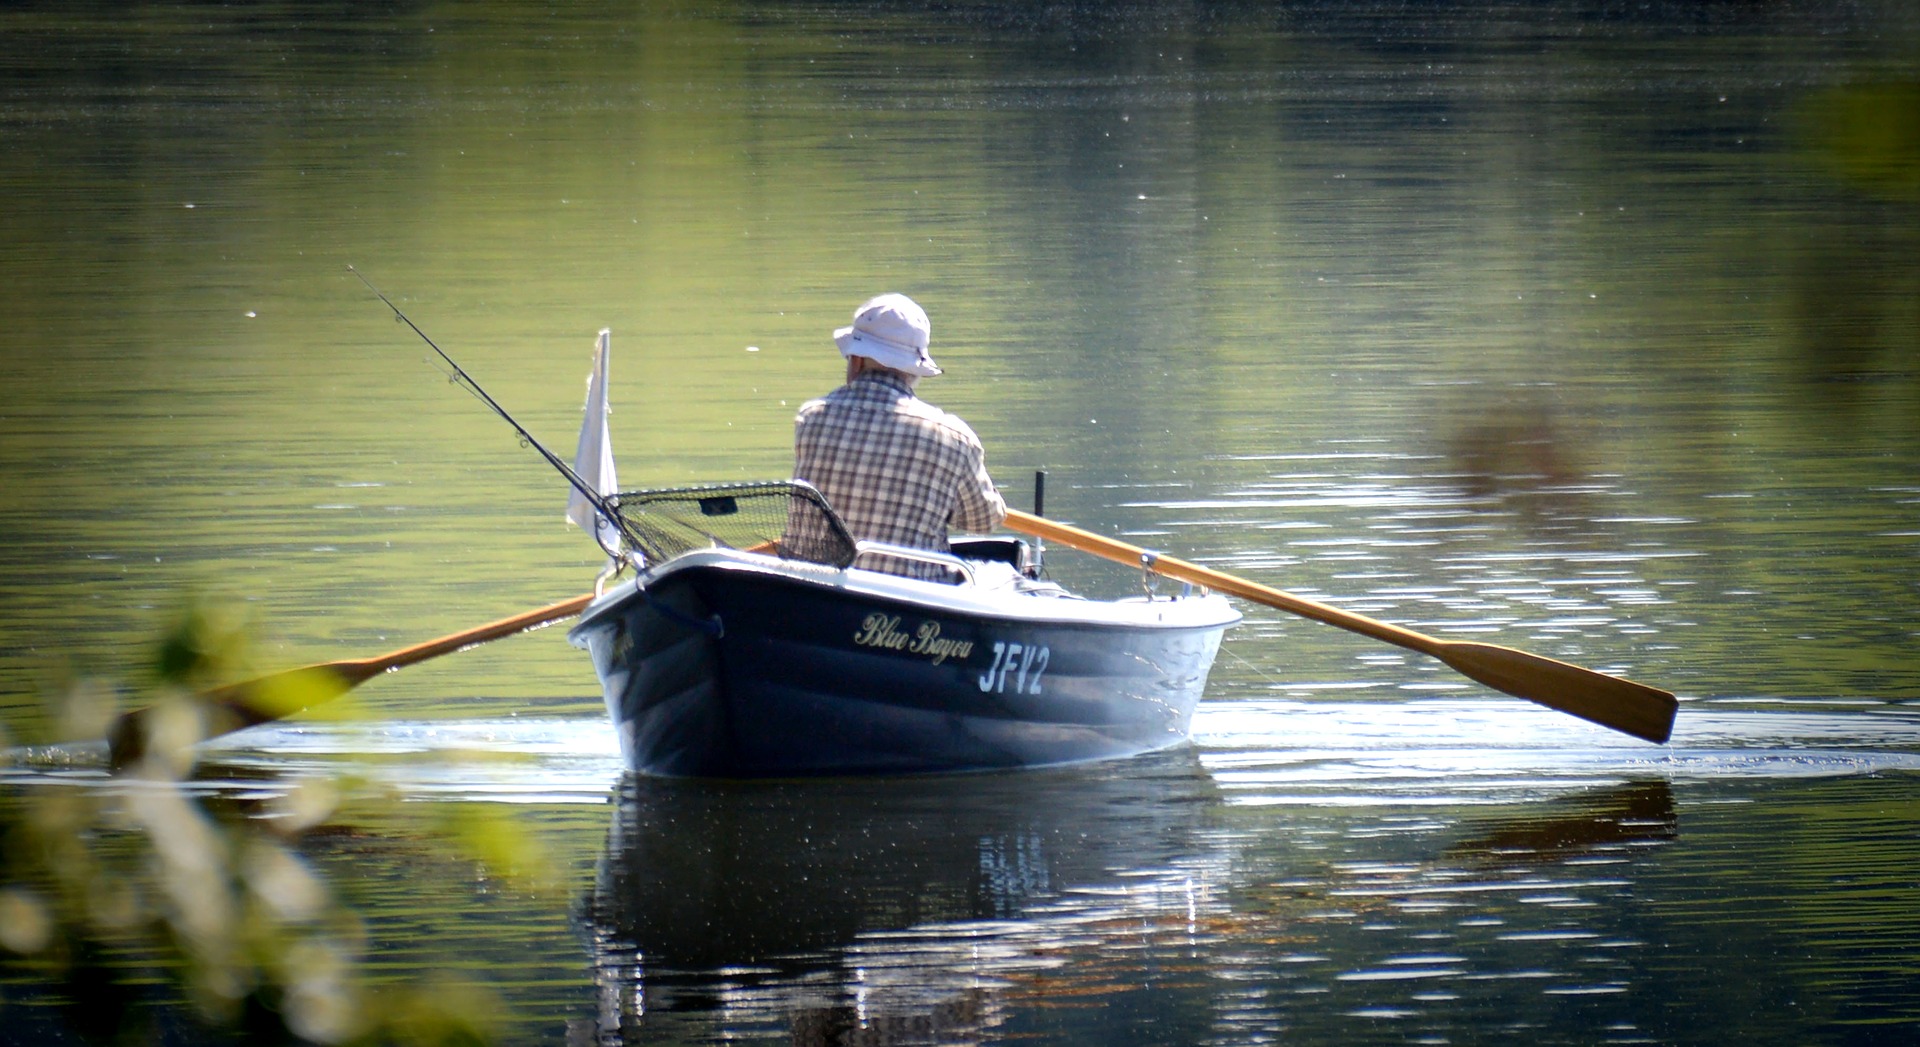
(1590, 329)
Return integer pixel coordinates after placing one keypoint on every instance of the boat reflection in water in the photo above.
(901, 908)
(957, 909)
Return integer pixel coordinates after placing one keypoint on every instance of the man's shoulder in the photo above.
(944, 419)
(887, 398)
(838, 397)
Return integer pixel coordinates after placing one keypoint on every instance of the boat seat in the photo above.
(996, 548)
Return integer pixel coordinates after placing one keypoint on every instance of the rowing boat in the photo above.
(732, 654)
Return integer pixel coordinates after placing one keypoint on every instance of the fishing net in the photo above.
(787, 518)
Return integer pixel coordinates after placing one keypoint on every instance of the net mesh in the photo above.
(764, 517)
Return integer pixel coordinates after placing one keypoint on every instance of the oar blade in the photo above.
(239, 705)
(1610, 701)
(1632, 708)
(282, 694)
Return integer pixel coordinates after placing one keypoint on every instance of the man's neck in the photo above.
(860, 368)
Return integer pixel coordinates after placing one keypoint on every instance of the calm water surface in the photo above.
(1584, 329)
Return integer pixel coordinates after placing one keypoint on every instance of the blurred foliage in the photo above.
(127, 897)
(204, 645)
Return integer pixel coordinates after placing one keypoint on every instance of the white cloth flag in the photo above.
(593, 462)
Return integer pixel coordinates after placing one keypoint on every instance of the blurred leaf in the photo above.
(174, 726)
(89, 707)
(283, 882)
(501, 843)
(204, 644)
(308, 803)
(26, 925)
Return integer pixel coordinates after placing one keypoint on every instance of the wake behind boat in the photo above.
(728, 656)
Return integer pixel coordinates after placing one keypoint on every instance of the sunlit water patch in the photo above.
(1436, 751)
(1450, 751)
(567, 760)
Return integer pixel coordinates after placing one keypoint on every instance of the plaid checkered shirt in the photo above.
(896, 468)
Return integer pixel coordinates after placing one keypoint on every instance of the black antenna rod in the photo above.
(594, 498)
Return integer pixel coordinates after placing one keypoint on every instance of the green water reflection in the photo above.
(1626, 284)
(1589, 329)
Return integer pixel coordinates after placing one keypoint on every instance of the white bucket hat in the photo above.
(891, 330)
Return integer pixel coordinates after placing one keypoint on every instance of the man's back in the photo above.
(896, 468)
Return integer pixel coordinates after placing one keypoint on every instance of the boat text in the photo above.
(883, 631)
(1019, 664)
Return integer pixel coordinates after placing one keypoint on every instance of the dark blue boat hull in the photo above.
(727, 671)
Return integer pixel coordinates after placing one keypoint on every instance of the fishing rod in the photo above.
(607, 510)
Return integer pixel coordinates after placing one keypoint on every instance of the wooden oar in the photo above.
(284, 693)
(1634, 708)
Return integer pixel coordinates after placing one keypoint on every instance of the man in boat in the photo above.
(896, 468)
